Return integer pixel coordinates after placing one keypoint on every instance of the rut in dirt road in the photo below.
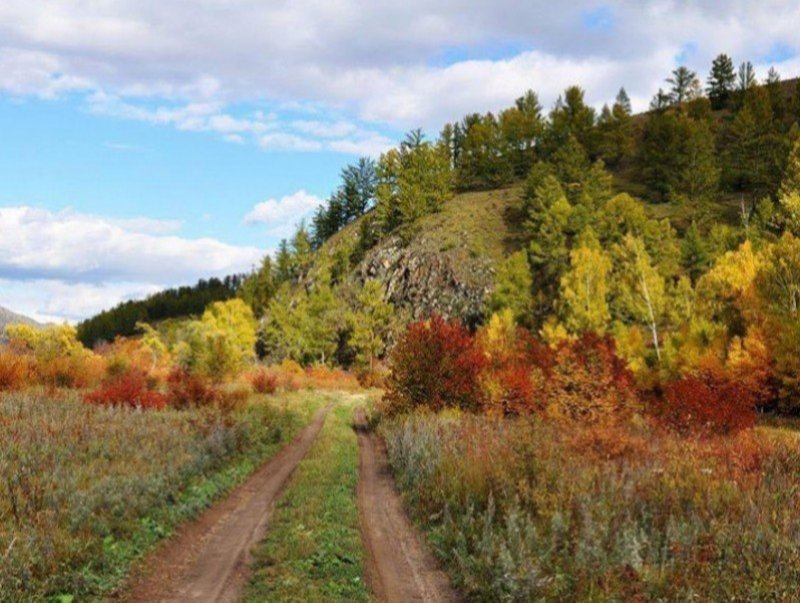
(399, 566)
(208, 560)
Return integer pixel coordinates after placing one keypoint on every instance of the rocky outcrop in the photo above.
(426, 282)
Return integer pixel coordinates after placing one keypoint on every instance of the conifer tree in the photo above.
(684, 85)
(721, 81)
(695, 257)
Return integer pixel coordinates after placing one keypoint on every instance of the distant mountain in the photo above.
(8, 317)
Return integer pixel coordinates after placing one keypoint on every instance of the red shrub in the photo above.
(706, 403)
(513, 359)
(186, 390)
(435, 365)
(130, 388)
(588, 381)
(264, 382)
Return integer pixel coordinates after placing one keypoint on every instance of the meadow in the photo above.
(86, 489)
(530, 509)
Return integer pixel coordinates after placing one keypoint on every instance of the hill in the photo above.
(446, 263)
(7, 317)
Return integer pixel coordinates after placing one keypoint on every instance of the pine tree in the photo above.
(698, 178)
(260, 286)
(746, 77)
(721, 81)
(775, 91)
(571, 117)
(684, 84)
(358, 188)
(695, 257)
(615, 131)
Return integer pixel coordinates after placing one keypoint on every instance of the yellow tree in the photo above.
(584, 290)
(640, 288)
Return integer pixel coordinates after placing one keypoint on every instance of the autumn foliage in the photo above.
(708, 402)
(504, 370)
(436, 364)
(130, 388)
(589, 382)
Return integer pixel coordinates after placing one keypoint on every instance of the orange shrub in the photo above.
(76, 371)
(589, 382)
(320, 376)
(14, 370)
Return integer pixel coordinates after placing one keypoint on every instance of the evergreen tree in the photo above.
(746, 78)
(775, 91)
(684, 85)
(521, 127)
(260, 286)
(721, 81)
(571, 117)
(358, 188)
(661, 101)
(697, 180)
(615, 131)
(695, 257)
(484, 158)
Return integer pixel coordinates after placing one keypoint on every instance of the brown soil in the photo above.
(399, 566)
(208, 559)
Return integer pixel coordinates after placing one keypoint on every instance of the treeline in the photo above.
(178, 302)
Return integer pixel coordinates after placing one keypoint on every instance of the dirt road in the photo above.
(399, 566)
(208, 559)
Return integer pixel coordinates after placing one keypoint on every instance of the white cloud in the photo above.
(57, 301)
(282, 141)
(81, 248)
(385, 61)
(282, 215)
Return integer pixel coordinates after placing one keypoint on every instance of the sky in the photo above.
(150, 143)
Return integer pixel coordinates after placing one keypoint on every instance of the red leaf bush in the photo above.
(435, 365)
(188, 390)
(708, 402)
(130, 388)
(264, 382)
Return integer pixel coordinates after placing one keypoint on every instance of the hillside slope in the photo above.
(7, 317)
(447, 262)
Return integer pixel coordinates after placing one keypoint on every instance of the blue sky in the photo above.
(148, 143)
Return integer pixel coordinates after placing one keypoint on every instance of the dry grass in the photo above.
(86, 489)
(539, 510)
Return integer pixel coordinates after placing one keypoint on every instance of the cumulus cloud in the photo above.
(401, 64)
(282, 215)
(80, 248)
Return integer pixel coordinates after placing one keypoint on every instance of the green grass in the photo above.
(313, 549)
(85, 491)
